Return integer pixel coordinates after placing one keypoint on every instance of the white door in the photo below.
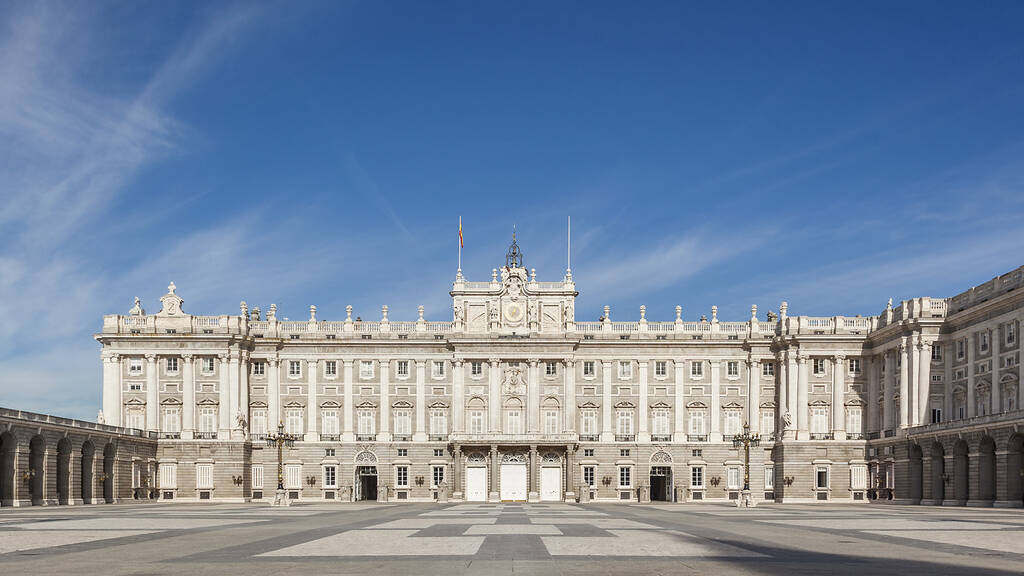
(513, 482)
(476, 484)
(551, 484)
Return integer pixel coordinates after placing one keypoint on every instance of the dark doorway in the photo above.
(64, 471)
(661, 484)
(366, 483)
(916, 474)
(987, 469)
(7, 445)
(1015, 469)
(961, 470)
(938, 474)
(88, 451)
(36, 461)
(108, 473)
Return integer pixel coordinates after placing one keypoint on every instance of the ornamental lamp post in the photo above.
(746, 440)
(280, 440)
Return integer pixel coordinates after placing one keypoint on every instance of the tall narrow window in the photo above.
(293, 421)
(402, 368)
(624, 419)
(696, 369)
(438, 422)
(551, 422)
(403, 423)
(172, 419)
(330, 422)
(588, 368)
(513, 422)
(258, 422)
(697, 422)
(660, 368)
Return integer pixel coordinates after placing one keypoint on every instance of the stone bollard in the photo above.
(584, 493)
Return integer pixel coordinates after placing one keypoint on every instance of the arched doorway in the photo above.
(961, 473)
(108, 473)
(987, 470)
(916, 474)
(366, 476)
(1015, 470)
(661, 477)
(88, 453)
(36, 465)
(8, 445)
(64, 471)
(938, 474)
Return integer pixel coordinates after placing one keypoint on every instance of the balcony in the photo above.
(821, 435)
(590, 437)
(661, 437)
(854, 436)
(697, 437)
(330, 437)
(437, 437)
(258, 437)
(170, 435)
(625, 437)
(206, 435)
(890, 433)
(401, 438)
(728, 437)
(365, 437)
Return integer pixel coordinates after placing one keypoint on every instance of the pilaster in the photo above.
(312, 421)
(716, 401)
(188, 395)
(642, 433)
(348, 432)
(152, 393)
(421, 401)
(802, 431)
(493, 397)
(224, 399)
(838, 393)
(606, 402)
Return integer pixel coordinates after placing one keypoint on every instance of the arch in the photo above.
(513, 402)
(961, 472)
(8, 449)
(476, 402)
(64, 471)
(916, 474)
(550, 402)
(36, 467)
(661, 457)
(987, 469)
(1015, 469)
(109, 453)
(366, 457)
(938, 468)
(88, 454)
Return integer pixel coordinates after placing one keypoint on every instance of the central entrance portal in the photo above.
(513, 482)
(661, 483)
(366, 483)
(476, 484)
(551, 484)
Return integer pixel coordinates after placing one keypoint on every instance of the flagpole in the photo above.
(460, 245)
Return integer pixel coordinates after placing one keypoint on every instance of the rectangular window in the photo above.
(402, 369)
(821, 478)
(767, 422)
(589, 422)
(293, 476)
(169, 475)
(402, 476)
(588, 476)
(936, 415)
(206, 365)
(259, 368)
(733, 369)
(367, 423)
(768, 369)
(936, 352)
(819, 366)
(330, 368)
(983, 344)
(208, 419)
(551, 422)
(476, 422)
(625, 370)
(438, 422)
(550, 369)
(733, 479)
(769, 477)
(294, 368)
(960, 346)
(171, 364)
(1011, 333)
(732, 422)
(172, 420)
(625, 476)
(588, 452)
(330, 476)
(660, 422)
(853, 420)
(403, 423)
(588, 368)
(697, 369)
(204, 476)
(293, 421)
(697, 423)
(135, 365)
(854, 365)
(476, 368)
(819, 420)
(660, 368)
(258, 421)
(513, 422)
(436, 476)
(437, 370)
(696, 477)
(365, 369)
(438, 452)
(257, 477)
(403, 452)
(625, 422)
(330, 422)
(858, 477)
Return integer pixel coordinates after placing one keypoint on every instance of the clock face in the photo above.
(513, 312)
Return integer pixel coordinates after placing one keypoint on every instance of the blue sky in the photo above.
(829, 154)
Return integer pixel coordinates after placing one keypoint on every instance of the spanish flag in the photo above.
(460, 233)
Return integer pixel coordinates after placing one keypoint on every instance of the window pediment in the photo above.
(366, 404)
(170, 402)
(625, 404)
(330, 404)
(402, 404)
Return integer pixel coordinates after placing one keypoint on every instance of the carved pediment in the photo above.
(733, 406)
(207, 402)
(366, 404)
(295, 404)
(855, 402)
(625, 404)
(768, 405)
(660, 404)
(437, 404)
(134, 402)
(819, 403)
(402, 404)
(696, 404)
(330, 404)
(589, 405)
(171, 402)
(257, 404)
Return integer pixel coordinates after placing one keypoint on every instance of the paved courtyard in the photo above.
(506, 538)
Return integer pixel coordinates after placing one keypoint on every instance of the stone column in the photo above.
(421, 402)
(111, 364)
(783, 388)
(152, 393)
(243, 392)
(533, 493)
(607, 435)
(492, 475)
(348, 432)
(924, 382)
(570, 473)
(188, 395)
(888, 405)
(996, 390)
(905, 396)
(971, 356)
(459, 397)
(118, 415)
(273, 396)
(533, 388)
(913, 352)
(947, 380)
(838, 394)
(716, 401)
(569, 410)
(754, 394)
(234, 395)
(679, 432)
(385, 401)
(871, 415)
(642, 409)
(802, 432)
(793, 391)
(312, 414)
(224, 400)
(493, 397)
(457, 468)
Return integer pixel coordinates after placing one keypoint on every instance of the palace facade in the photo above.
(514, 399)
